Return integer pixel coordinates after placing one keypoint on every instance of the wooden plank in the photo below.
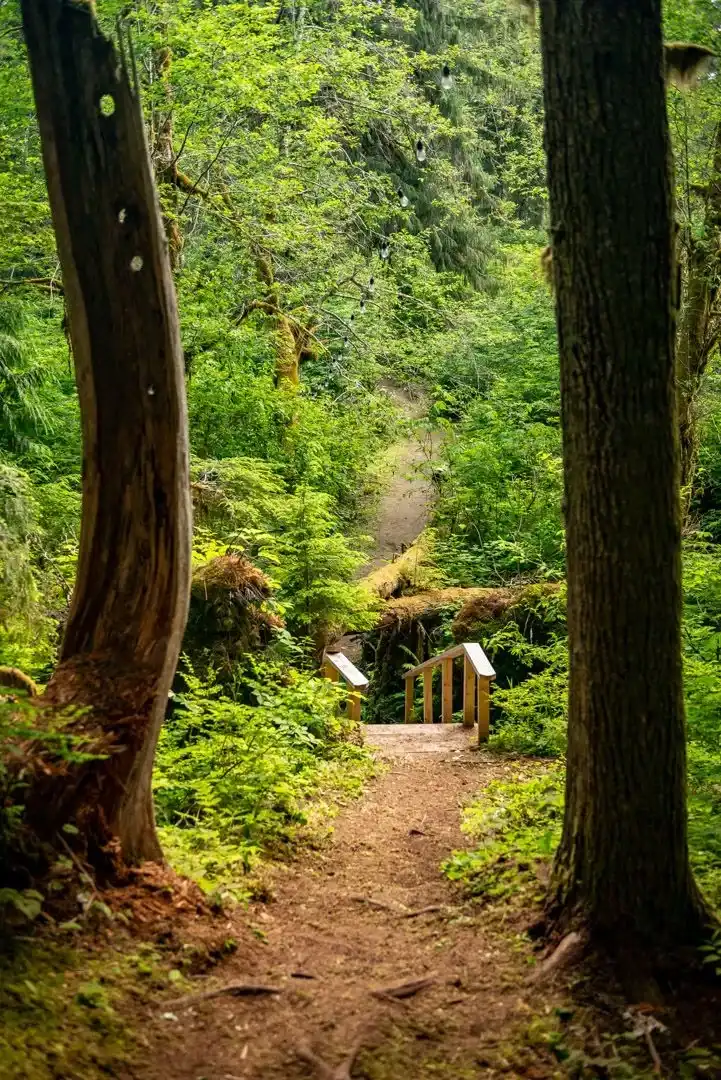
(471, 649)
(410, 703)
(348, 670)
(469, 693)
(447, 690)
(457, 650)
(428, 696)
(479, 660)
(484, 709)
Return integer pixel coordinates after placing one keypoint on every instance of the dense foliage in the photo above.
(343, 217)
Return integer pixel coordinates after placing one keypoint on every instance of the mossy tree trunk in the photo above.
(129, 606)
(622, 868)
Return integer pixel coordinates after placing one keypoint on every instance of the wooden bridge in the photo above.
(478, 674)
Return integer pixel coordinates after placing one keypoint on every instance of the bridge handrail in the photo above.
(337, 666)
(478, 673)
(347, 669)
(478, 659)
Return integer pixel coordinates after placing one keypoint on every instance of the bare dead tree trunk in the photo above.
(622, 868)
(129, 607)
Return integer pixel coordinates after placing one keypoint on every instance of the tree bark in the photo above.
(129, 606)
(622, 867)
(700, 320)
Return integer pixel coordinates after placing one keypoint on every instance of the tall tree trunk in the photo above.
(700, 320)
(292, 336)
(622, 867)
(130, 602)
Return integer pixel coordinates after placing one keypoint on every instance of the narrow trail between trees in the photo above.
(366, 944)
(369, 911)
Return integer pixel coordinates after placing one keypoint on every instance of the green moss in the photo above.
(58, 1012)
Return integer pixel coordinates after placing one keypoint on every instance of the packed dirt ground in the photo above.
(368, 946)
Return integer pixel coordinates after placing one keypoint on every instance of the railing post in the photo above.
(469, 693)
(447, 690)
(410, 694)
(336, 666)
(354, 706)
(330, 672)
(484, 709)
(428, 696)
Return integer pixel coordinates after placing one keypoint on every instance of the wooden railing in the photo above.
(477, 677)
(337, 666)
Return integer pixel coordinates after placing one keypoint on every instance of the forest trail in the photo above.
(404, 507)
(369, 910)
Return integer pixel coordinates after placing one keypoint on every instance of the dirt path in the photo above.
(404, 508)
(328, 950)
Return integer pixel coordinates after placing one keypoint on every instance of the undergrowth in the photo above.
(515, 825)
(246, 778)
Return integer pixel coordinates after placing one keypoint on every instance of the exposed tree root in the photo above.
(563, 956)
(405, 989)
(323, 1070)
(232, 989)
(396, 908)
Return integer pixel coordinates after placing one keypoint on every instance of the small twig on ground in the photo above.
(82, 870)
(421, 911)
(405, 989)
(644, 1023)
(394, 906)
(325, 1071)
(653, 1052)
(233, 989)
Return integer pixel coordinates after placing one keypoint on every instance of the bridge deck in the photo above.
(451, 741)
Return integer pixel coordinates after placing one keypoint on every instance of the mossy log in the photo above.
(413, 628)
(408, 571)
(14, 679)
(228, 615)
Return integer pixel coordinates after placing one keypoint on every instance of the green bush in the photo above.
(529, 719)
(233, 780)
(515, 826)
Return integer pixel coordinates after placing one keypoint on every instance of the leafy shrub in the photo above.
(294, 536)
(27, 743)
(31, 584)
(516, 825)
(232, 780)
(529, 718)
(499, 512)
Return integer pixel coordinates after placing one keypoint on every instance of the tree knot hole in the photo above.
(136, 263)
(107, 105)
